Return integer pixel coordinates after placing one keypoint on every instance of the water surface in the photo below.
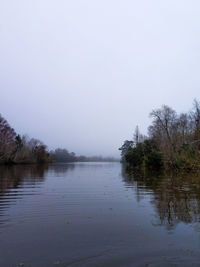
(94, 214)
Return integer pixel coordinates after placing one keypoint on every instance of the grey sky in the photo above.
(82, 74)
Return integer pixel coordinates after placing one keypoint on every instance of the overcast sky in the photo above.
(82, 74)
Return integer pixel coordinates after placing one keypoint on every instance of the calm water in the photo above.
(93, 214)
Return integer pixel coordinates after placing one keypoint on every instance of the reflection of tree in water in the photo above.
(13, 176)
(19, 181)
(14, 180)
(176, 196)
(60, 168)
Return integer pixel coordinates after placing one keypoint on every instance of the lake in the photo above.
(95, 214)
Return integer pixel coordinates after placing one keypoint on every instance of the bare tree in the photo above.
(7, 140)
(164, 130)
(195, 120)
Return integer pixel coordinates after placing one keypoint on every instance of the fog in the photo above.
(82, 74)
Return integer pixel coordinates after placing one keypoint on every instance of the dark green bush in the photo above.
(154, 160)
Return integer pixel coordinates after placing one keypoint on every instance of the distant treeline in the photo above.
(62, 155)
(16, 149)
(173, 141)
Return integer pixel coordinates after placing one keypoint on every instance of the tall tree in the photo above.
(7, 140)
(163, 130)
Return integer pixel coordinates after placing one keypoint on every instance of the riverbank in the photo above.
(173, 141)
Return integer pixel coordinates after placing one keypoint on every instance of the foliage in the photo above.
(135, 155)
(154, 160)
(62, 155)
(125, 147)
(17, 149)
(173, 141)
(7, 140)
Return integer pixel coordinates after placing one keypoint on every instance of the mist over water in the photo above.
(81, 75)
